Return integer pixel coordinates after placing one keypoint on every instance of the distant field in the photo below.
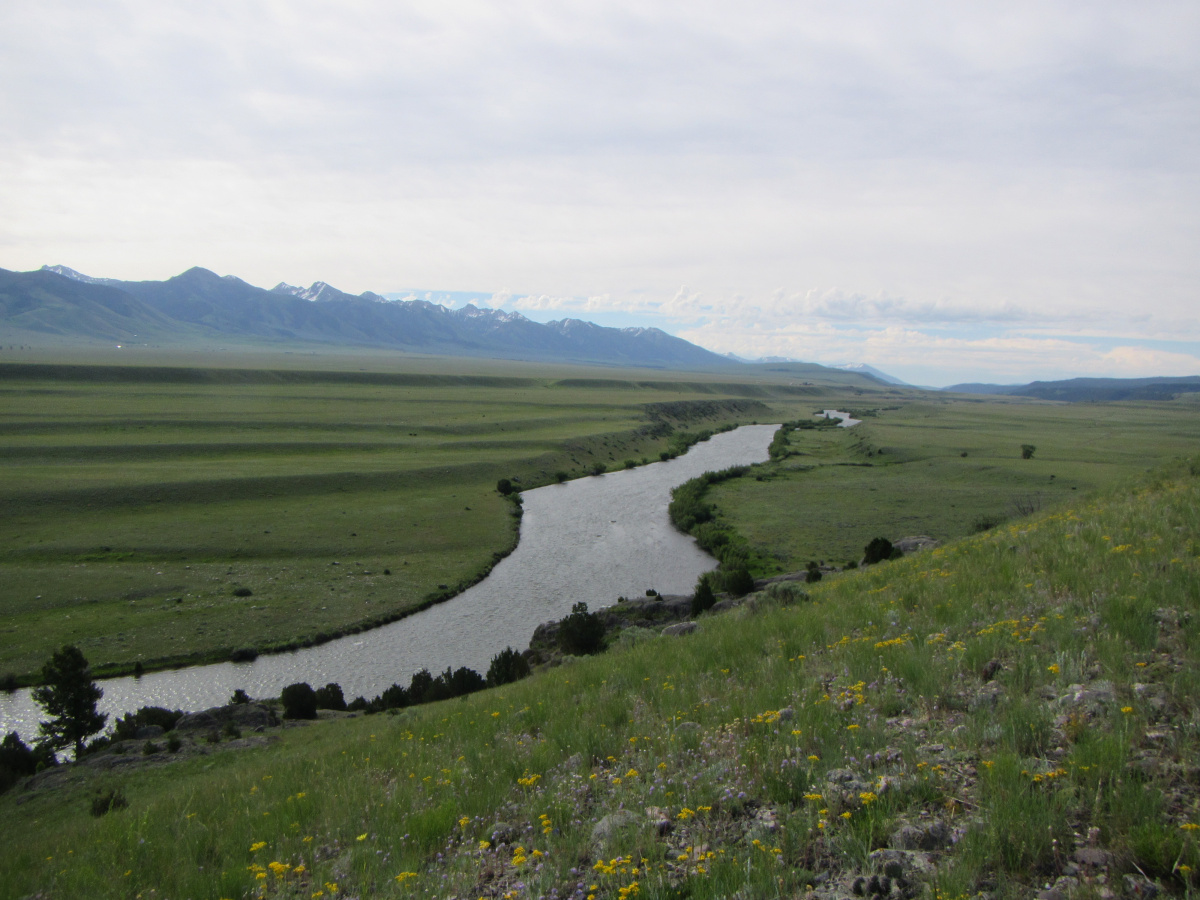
(137, 499)
(944, 468)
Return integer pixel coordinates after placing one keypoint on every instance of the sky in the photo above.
(948, 192)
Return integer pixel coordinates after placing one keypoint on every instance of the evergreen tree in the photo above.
(68, 695)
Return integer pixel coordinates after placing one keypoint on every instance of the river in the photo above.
(592, 540)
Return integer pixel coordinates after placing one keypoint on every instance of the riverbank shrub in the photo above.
(506, 667)
(581, 633)
(299, 701)
(331, 697)
(126, 727)
(703, 599)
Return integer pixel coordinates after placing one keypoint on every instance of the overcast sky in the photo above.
(947, 191)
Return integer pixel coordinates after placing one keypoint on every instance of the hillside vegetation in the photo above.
(1006, 713)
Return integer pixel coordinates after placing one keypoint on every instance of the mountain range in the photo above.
(1078, 390)
(201, 306)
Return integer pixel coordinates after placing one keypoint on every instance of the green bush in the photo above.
(704, 598)
(330, 697)
(877, 551)
(299, 701)
(107, 801)
(126, 727)
(505, 487)
(812, 573)
(239, 696)
(738, 581)
(581, 633)
(507, 666)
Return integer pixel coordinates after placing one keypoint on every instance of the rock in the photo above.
(611, 824)
(244, 715)
(908, 864)
(687, 728)
(991, 669)
(503, 833)
(1095, 695)
(765, 818)
(680, 628)
(661, 819)
(1140, 886)
(907, 545)
(987, 696)
(787, 714)
(1092, 857)
(920, 837)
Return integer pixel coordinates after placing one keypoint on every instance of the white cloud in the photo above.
(1017, 168)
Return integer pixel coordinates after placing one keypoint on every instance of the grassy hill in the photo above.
(1010, 711)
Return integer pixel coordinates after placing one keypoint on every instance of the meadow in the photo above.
(158, 514)
(1011, 711)
(945, 467)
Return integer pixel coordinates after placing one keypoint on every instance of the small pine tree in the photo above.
(704, 599)
(69, 696)
(507, 666)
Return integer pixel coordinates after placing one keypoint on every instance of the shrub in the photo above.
(1027, 451)
(231, 731)
(242, 592)
(738, 581)
(561, 476)
(704, 598)
(150, 748)
(812, 573)
(360, 704)
(107, 801)
(419, 686)
(506, 667)
(174, 743)
(581, 633)
(505, 487)
(126, 727)
(395, 697)
(877, 551)
(243, 654)
(239, 696)
(630, 464)
(299, 701)
(17, 760)
(330, 697)
(599, 468)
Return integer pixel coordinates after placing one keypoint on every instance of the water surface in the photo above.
(589, 540)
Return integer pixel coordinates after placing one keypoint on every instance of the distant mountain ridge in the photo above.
(199, 305)
(1077, 390)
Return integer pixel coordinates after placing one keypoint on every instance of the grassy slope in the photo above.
(880, 677)
(137, 499)
(814, 506)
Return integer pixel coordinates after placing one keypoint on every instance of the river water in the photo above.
(590, 540)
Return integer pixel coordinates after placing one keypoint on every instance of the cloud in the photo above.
(1011, 168)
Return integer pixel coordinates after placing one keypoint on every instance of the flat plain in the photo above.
(162, 514)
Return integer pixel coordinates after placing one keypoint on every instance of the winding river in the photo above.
(590, 540)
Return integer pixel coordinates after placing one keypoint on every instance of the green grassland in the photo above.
(340, 491)
(1020, 704)
(943, 468)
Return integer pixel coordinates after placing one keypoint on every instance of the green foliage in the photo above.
(878, 550)
(1027, 451)
(106, 801)
(239, 696)
(737, 581)
(299, 701)
(581, 633)
(812, 572)
(505, 487)
(69, 696)
(703, 598)
(126, 727)
(330, 697)
(506, 667)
